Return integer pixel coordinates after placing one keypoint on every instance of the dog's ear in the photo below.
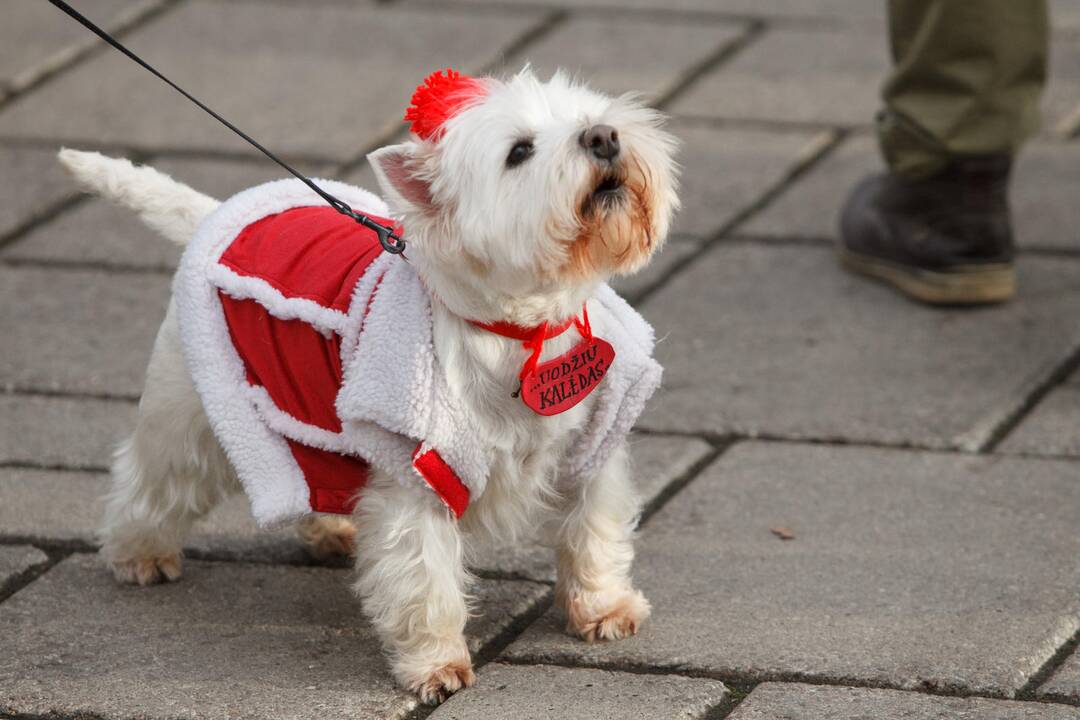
(400, 172)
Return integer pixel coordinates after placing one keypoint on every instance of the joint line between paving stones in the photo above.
(166, 152)
(494, 647)
(808, 22)
(47, 214)
(1044, 673)
(73, 546)
(818, 241)
(55, 467)
(1012, 418)
(68, 57)
(32, 573)
(773, 125)
(67, 394)
(63, 206)
(828, 441)
(715, 60)
(60, 265)
(746, 682)
(675, 486)
(823, 147)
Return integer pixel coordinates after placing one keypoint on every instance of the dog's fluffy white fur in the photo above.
(525, 244)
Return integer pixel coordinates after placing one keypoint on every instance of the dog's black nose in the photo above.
(602, 141)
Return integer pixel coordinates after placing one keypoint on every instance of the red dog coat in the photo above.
(312, 352)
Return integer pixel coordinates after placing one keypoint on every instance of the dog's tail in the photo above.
(171, 208)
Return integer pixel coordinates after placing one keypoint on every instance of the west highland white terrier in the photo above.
(473, 390)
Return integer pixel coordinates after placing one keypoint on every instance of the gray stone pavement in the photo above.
(926, 462)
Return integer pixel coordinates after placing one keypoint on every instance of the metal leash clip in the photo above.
(391, 242)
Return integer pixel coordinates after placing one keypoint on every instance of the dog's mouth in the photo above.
(608, 191)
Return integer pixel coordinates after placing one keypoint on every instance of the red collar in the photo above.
(520, 332)
(533, 337)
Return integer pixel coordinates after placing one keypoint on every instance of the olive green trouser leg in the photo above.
(967, 80)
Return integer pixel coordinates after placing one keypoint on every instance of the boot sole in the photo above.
(963, 285)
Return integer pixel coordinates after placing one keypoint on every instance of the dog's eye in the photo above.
(521, 152)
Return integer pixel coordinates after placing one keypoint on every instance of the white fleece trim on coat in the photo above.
(243, 287)
(263, 462)
(294, 429)
(633, 378)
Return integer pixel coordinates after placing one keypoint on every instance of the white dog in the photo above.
(518, 199)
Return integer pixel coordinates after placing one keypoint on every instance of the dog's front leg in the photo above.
(412, 581)
(595, 551)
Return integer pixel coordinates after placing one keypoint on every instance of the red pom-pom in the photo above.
(439, 99)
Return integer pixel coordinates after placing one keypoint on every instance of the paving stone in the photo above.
(327, 91)
(61, 431)
(833, 75)
(229, 640)
(35, 35)
(628, 53)
(657, 461)
(49, 506)
(16, 559)
(553, 693)
(1043, 191)
(1064, 684)
(1065, 15)
(911, 570)
(725, 171)
(781, 701)
(101, 233)
(85, 331)
(810, 206)
(810, 75)
(32, 182)
(1052, 428)
(674, 251)
(1061, 102)
(847, 11)
(780, 341)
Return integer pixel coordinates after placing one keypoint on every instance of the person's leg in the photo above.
(962, 98)
(967, 80)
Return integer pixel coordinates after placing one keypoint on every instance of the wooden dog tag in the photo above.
(562, 382)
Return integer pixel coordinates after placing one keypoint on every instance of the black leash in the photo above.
(390, 241)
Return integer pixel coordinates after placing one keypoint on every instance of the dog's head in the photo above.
(525, 188)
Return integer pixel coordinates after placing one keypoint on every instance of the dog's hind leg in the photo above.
(327, 536)
(412, 580)
(169, 473)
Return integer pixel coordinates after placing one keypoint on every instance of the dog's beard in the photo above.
(617, 233)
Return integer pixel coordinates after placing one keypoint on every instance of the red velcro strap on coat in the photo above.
(442, 479)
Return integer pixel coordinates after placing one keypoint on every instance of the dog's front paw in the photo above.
(595, 616)
(444, 681)
(148, 570)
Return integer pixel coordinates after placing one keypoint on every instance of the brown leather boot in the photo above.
(944, 240)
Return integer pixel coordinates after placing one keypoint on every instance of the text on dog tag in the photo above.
(562, 382)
